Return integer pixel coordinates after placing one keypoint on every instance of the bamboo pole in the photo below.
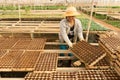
(89, 24)
(19, 12)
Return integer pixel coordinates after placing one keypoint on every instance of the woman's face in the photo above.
(70, 18)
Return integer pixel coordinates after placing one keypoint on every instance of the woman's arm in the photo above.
(63, 33)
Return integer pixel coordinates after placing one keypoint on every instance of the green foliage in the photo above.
(4, 8)
(94, 26)
(114, 22)
(49, 7)
(7, 7)
(27, 9)
(99, 16)
(116, 7)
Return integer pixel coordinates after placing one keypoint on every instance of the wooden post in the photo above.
(89, 24)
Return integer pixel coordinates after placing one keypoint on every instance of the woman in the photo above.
(70, 28)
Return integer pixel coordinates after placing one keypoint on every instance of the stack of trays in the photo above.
(2, 52)
(8, 60)
(22, 43)
(117, 61)
(89, 74)
(7, 43)
(30, 44)
(38, 76)
(105, 74)
(37, 44)
(64, 76)
(87, 53)
(19, 61)
(1, 39)
(103, 63)
(109, 45)
(47, 62)
(27, 61)
(110, 74)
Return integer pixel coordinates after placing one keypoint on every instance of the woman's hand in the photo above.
(82, 40)
(71, 45)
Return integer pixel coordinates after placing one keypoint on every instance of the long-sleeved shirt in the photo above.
(65, 29)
